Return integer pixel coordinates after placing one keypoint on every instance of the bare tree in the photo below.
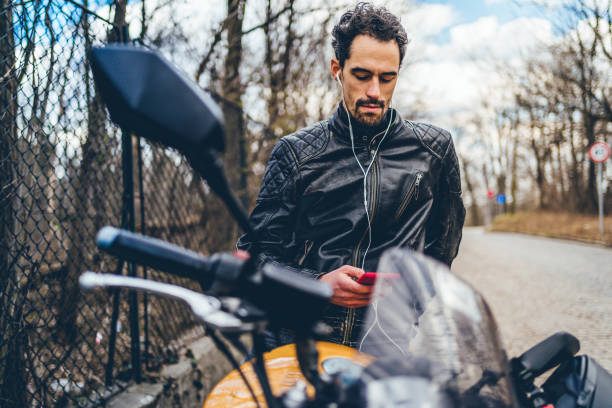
(8, 137)
(12, 374)
(467, 173)
(88, 191)
(284, 77)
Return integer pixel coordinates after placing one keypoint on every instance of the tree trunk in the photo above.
(501, 188)
(539, 179)
(8, 136)
(591, 199)
(225, 229)
(13, 385)
(561, 172)
(584, 64)
(232, 103)
(514, 174)
(475, 216)
(575, 191)
(88, 191)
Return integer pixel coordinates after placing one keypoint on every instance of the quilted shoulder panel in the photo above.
(279, 173)
(309, 141)
(454, 176)
(435, 139)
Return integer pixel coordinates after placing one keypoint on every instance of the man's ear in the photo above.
(335, 68)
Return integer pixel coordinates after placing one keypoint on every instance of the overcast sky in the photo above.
(458, 48)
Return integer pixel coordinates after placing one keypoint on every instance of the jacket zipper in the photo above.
(350, 317)
(414, 191)
(307, 247)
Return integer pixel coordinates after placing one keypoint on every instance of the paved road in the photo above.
(537, 286)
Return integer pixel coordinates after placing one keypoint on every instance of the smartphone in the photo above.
(369, 278)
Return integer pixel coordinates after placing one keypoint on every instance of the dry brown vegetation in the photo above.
(556, 225)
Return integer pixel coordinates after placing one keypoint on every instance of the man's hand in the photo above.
(347, 292)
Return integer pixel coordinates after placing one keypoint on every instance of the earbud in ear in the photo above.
(338, 79)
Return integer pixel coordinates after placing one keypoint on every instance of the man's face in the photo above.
(368, 78)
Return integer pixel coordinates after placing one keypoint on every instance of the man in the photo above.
(337, 194)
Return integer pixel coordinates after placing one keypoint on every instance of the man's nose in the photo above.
(373, 90)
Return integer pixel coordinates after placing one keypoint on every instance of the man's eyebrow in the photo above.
(367, 71)
(360, 71)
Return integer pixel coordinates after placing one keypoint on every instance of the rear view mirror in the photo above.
(146, 94)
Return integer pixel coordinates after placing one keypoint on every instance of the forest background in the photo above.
(525, 92)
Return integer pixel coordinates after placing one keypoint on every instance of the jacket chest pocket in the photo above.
(411, 194)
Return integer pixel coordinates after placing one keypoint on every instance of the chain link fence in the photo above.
(63, 177)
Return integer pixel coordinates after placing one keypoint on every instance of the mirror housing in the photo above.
(145, 94)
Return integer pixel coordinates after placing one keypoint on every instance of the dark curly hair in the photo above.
(366, 19)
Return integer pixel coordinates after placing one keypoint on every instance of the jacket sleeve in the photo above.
(443, 229)
(273, 217)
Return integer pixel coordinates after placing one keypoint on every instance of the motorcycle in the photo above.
(430, 338)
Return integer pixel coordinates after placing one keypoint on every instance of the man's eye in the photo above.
(386, 78)
(362, 77)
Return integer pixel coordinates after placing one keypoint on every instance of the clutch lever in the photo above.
(206, 308)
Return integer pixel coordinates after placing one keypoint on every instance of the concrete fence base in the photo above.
(184, 384)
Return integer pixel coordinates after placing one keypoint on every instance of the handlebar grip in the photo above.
(157, 254)
(545, 355)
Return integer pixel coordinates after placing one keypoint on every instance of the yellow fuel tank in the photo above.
(283, 372)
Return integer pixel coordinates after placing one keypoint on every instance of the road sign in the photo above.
(599, 152)
(500, 199)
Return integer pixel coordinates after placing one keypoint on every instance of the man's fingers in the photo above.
(347, 292)
(353, 302)
(358, 288)
(352, 271)
(349, 299)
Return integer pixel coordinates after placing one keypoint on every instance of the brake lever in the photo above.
(206, 308)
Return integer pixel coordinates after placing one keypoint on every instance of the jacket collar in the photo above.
(363, 135)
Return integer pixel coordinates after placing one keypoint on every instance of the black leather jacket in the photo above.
(310, 211)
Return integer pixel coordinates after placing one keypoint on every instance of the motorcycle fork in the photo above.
(259, 368)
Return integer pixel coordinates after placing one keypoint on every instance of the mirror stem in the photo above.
(212, 171)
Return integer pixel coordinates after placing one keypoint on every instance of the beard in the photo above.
(369, 119)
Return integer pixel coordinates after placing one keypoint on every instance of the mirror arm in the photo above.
(210, 167)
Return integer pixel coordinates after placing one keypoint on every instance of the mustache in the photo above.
(376, 102)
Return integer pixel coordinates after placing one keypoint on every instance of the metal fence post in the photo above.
(127, 222)
(143, 231)
(128, 202)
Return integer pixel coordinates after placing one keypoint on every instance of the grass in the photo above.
(557, 225)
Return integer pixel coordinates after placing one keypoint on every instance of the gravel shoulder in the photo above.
(537, 286)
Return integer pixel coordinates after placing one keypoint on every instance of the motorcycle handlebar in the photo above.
(288, 297)
(165, 256)
(545, 355)
(206, 308)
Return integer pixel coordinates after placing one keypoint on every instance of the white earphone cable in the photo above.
(365, 204)
(363, 171)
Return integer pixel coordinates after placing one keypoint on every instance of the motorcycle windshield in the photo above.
(426, 323)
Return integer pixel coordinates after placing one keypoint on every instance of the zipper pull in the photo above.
(416, 185)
